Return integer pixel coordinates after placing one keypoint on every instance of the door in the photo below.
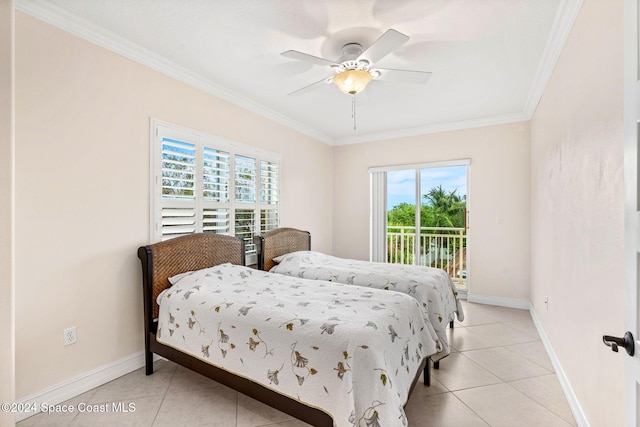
(442, 233)
(425, 210)
(632, 208)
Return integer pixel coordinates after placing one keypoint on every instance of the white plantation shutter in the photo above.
(178, 169)
(201, 183)
(216, 166)
(178, 221)
(215, 221)
(245, 174)
(245, 228)
(268, 220)
(268, 182)
(215, 175)
(245, 219)
(269, 179)
(178, 182)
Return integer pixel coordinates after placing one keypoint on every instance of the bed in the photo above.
(323, 352)
(288, 251)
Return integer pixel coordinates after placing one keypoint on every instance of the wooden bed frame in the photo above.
(279, 242)
(194, 252)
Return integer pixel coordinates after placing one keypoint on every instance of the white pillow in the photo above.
(175, 279)
(279, 259)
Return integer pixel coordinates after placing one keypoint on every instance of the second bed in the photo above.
(288, 251)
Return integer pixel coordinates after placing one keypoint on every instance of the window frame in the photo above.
(160, 130)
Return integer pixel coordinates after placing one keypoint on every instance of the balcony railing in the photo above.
(440, 247)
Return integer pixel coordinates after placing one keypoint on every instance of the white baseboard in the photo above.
(81, 384)
(574, 404)
(499, 301)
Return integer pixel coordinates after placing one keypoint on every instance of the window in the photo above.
(201, 183)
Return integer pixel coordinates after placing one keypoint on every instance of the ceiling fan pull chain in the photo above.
(353, 110)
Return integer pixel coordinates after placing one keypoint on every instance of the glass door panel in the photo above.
(443, 211)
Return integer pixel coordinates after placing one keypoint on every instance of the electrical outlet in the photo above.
(69, 336)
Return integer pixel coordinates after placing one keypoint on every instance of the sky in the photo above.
(401, 184)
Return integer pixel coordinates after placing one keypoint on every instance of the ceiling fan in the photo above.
(355, 68)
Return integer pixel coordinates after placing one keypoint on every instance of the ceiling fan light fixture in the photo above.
(352, 81)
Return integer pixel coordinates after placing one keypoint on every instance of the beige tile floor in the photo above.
(498, 374)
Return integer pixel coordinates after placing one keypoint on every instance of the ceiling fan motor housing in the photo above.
(349, 60)
(350, 51)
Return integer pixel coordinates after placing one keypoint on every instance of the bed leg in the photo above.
(148, 356)
(427, 373)
(148, 362)
(436, 365)
(451, 324)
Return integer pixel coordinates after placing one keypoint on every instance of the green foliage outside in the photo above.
(439, 209)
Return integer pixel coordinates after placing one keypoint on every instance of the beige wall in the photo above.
(577, 210)
(499, 188)
(7, 122)
(82, 202)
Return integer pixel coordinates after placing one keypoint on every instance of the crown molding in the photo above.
(437, 128)
(565, 17)
(73, 24)
(562, 25)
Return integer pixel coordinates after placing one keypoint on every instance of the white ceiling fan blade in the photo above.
(386, 43)
(309, 88)
(294, 54)
(404, 76)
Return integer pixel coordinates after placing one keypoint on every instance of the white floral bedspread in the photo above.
(432, 287)
(350, 351)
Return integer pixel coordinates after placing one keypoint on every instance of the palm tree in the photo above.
(445, 209)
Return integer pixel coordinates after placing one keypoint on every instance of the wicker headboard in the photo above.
(279, 242)
(181, 254)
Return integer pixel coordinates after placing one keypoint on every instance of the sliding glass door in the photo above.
(423, 217)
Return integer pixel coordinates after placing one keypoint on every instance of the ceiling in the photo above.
(490, 59)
